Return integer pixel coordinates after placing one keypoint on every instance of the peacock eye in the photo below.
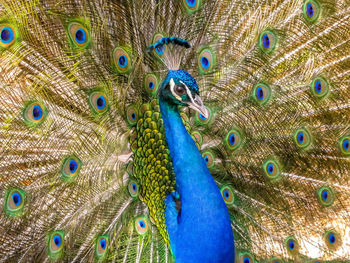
(141, 225)
(101, 247)
(292, 245)
(325, 196)
(332, 239)
(7, 35)
(133, 189)
(14, 202)
(180, 90)
(311, 10)
(34, 113)
(98, 102)
(70, 168)
(55, 244)
(79, 35)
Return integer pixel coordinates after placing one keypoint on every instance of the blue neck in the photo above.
(204, 230)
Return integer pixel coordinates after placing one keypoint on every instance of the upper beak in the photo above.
(197, 105)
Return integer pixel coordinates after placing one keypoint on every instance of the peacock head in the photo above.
(180, 88)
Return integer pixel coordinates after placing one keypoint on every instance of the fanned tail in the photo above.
(77, 89)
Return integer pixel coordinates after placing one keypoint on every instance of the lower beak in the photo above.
(197, 105)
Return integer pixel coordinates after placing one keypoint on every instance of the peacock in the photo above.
(187, 131)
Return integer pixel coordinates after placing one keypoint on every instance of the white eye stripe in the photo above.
(172, 87)
(188, 92)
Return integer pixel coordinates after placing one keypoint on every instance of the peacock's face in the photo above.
(180, 88)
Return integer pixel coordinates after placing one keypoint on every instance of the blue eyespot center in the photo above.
(206, 159)
(226, 194)
(142, 224)
(122, 61)
(57, 240)
(133, 115)
(291, 245)
(300, 137)
(37, 112)
(100, 102)
(103, 243)
(331, 238)
(325, 195)
(80, 36)
(202, 117)
(260, 93)
(191, 3)
(266, 41)
(309, 10)
(6, 35)
(232, 139)
(73, 166)
(205, 62)
(134, 187)
(318, 86)
(151, 85)
(346, 144)
(16, 199)
(270, 168)
(246, 260)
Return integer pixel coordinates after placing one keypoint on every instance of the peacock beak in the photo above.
(197, 104)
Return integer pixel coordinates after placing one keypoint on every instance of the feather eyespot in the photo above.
(133, 188)
(79, 35)
(272, 169)
(261, 93)
(70, 168)
(197, 137)
(191, 5)
(319, 87)
(245, 258)
(141, 225)
(227, 194)
(267, 41)
(344, 144)
(98, 102)
(292, 245)
(34, 113)
(302, 138)
(101, 247)
(311, 10)
(209, 159)
(233, 139)
(132, 115)
(121, 60)
(151, 84)
(206, 60)
(55, 244)
(14, 202)
(7, 35)
(202, 120)
(332, 239)
(325, 196)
